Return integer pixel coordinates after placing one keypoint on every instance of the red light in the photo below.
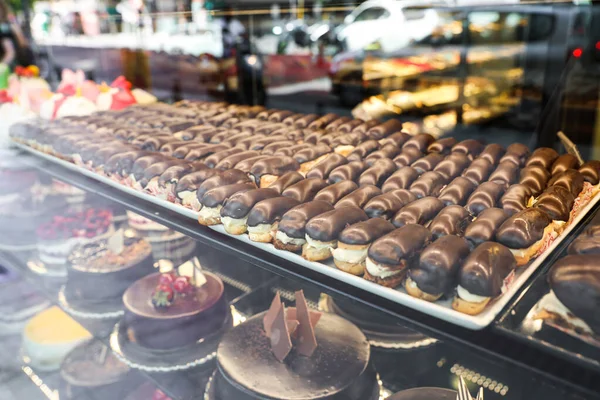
(577, 52)
(597, 45)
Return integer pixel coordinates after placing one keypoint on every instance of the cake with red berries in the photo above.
(170, 311)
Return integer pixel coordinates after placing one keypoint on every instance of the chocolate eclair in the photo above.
(387, 205)
(401, 179)
(309, 157)
(397, 139)
(153, 172)
(290, 151)
(542, 156)
(333, 193)
(350, 171)
(408, 156)
(246, 165)
(183, 150)
(167, 182)
(324, 167)
(482, 277)
(516, 153)
(271, 148)
(202, 152)
(557, 202)
(428, 162)
(493, 153)
(359, 197)
(215, 158)
(485, 196)
(571, 179)
(350, 125)
(591, 171)
(457, 192)
(343, 144)
(322, 231)
(585, 243)
(515, 199)
(286, 180)
(268, 170)
(527, 234)
(234, 213)
(453, 165)
(304, 121)
(305, 190)
(232, 160)
(428, 184)
(384, 129)
(354, 241)
(437, 270)
(563, 163)
(505, 174)
(469, 147)
(223, 178)
(420, 141)
(119, 165)
(140, 165)
(188, 185)
(535, 177)
(442, 146)
(323, 121)
(452, 220)
(377, 173)
(263, 220)
(285, 116)
(387, 151)
(290, 234)
(484, 227)
(418, 212)
(478, 171)
(390, 256)
(336, 123)
(363, 150)
(213, 200)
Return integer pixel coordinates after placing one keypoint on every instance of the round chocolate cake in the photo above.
(339, 368)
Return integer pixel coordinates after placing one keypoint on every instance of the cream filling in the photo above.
(210, 212)
(468, 296)
(189, 199)
(229, 222)
(320, 245)
(552, 304)
(285, 239)
(260, 229)
(378, 271)
(349, 255)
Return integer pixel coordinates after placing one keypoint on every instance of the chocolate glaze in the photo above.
(218, 195)
(563, 163)
(350, 171)
(386, 205)
(485, 196)
(274, 165)
(270, 210)
(327, 226)
(171, 147)
(366, 232)
(439, 263)
(535, 177)
(336, 123)
(515, 198)
(350, 125)
(575, 280)
(385, 129)
(516, 153)
(323, 121)
(138, 167)
(232, 160)
(174, 173)
(478, 171)
(557, 202)
(493, 152)
(201, 152)
(408, 156)
(420, 141)
(377, 173)
(290, 151)
(363, 150)
(452, 220)
(215, 158)
(457, 192)
(346, 139)
(240, 204)
(571, 179)
(401, 179)
(483, 229)
(157, 169)
(333, 193)
(428, 162)
(469, 147)
(585, 244)
(359, 197)
(365, 126)
(418, 212)
(286, 180)
(246, 165)
(524, 228)
(428, 184)
(543, 156)
(202, 133)
(324, 167)
(271, 148)
(294, 221)
(398, 139)
(305, 190)
(403, 244)
(591, 171)
(122, 163)
(453, 165)
(505, 174)
(228, 177)
(442, 146)
(485, 269)
(191, 181)
(388, 151)
(282, 115)
(304, 121)
(311, 153)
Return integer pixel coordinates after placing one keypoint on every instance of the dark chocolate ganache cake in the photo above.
(339, 367)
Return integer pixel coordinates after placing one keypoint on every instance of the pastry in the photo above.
(428, 184)
(571, 179)
(478, 171)
(453, 165)
(401, 179)
(493, 153)
(377, 173)
(324, 167)
(384, 129)
(323, 121)
(485, 196)
(482, 277)
(515, 199)
(457, 192)
(290, 234)
(535, 178)
(350, 171)
(591, 171)
(361, 151)
(309, 157)
(264, 217)
(563, 163)
(542, 156)
(586, 243)
(407, 156)
(390, 256)
(360, 197)
(397, 139)
(224, 178)
(267, 170)
(505, 174)
(452, 220)
(484, 227)
(188, 185)
(305, 190)
(436, 271)
(516, 153)
(286, 180)
(213, 200)
(442, 146)
(420, 141)
(557, 202)
(386, 205)
(387, 151)
(234, 214)
(469, 147)
(428, 162)
(333, 193)
(418, 212)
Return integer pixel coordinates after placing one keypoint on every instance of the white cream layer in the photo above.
(285, 239)
(378, 271)
(468, 296)
(210, 212)
(350, 256)
(320, 245)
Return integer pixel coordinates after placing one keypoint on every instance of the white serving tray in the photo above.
(439, 309)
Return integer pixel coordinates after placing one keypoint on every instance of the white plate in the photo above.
(439, 309)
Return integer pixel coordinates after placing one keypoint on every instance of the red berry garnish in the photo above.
(182, 284)
(162, 296)
(159, 395)
(167, 279)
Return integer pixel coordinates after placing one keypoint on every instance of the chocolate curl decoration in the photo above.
(279, 329)
(270, 316)
(307, 342)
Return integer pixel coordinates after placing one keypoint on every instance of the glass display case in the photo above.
(302, 200)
